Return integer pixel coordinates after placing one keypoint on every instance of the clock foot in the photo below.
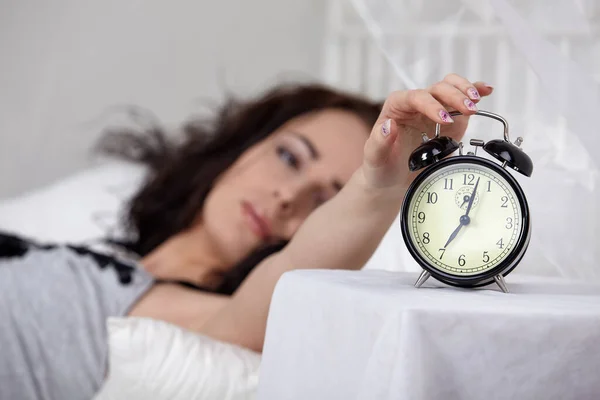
(422, 278)
(501, 283)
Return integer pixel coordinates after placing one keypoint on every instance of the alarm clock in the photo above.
(465, 219)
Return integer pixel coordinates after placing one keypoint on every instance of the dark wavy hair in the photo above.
(182, 172)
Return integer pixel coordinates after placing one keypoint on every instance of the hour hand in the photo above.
(466, 199)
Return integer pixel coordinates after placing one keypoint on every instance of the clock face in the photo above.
(464, 219)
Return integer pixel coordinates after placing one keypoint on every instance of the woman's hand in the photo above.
(407, 114)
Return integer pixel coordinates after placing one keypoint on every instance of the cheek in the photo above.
(266, 171)
(259, 176)
(217, 204)
(254, 172)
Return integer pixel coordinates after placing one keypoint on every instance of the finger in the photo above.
(452, 96)
(405, 104)
(380, 143)
(464, 85)
(483, 88)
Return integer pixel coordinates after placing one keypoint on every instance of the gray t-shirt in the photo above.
(54, 304)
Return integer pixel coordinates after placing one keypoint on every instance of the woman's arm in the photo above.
(341, 234)
(344, 232)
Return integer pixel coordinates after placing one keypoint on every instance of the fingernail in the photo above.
(445, 116)
(473, 93)
(470, 105)
(386, 128)
(488, 86)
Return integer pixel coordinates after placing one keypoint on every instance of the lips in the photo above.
(256, 222)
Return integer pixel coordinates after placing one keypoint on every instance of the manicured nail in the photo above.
(473, 93)
(386, 128)
(470, 105)
(488, 86)
(445, 116)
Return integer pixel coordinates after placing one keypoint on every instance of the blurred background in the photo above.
(66, 64)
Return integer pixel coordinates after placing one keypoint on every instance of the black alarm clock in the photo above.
(465, 219)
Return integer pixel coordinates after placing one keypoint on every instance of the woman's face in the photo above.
(273, 187)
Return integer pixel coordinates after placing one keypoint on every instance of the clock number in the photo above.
(489, 186)
(421, 217)
(486, 257)
(432, 197)
(443, 251)
(504, 202)
(471, 179)
(509, 223)
(426, 238)
(500, 243)
(448, 184)
(461, 260)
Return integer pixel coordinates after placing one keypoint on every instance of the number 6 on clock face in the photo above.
(466, 220)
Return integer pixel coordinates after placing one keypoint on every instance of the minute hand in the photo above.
(453, 235)
(472, 197)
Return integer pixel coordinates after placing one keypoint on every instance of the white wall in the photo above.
(63, 63)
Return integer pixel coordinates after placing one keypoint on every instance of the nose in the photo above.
(287, 213)
(285, 198)
(294, 201)
(293, 197)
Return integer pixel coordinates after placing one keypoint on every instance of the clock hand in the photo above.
(465, 199)
(464, 220)
(453, 235)
(472, 197)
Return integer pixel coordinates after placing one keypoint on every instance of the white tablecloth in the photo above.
(371, 335)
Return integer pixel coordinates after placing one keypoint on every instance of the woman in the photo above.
(304, 177)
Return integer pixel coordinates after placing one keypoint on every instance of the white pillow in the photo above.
(82, 207)
(151, 359)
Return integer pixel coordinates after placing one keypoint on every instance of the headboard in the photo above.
(436, 37)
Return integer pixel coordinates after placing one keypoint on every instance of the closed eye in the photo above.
(288, 157)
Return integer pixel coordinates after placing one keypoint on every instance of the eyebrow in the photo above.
(315, 155)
